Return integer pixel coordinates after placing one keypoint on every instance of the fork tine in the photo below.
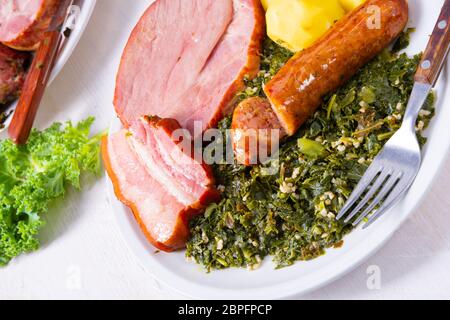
(380, 196)
(370, 193)
(390, 202)
(368, 177)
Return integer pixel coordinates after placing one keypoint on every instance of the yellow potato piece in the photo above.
(349, 5)
(297, 24)
(265, 3)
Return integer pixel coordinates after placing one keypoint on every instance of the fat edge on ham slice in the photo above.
(159, 143)
(189, 64)
(163, 186)
(23, 22)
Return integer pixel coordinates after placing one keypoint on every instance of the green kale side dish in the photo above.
(33, 175)
(3, 118)
(291, 215)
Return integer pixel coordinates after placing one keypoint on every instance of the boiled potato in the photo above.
(297, 24)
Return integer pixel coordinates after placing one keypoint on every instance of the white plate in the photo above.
(267, 283)
(82, 18)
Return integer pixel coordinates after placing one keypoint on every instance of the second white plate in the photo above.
(83, 10)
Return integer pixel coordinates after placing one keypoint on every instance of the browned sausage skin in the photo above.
(297, 90)
(252, 130)
(299, 87)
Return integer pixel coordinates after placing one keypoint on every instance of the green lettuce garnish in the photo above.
(33, 175)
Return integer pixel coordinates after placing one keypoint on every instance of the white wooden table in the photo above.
(84, 257)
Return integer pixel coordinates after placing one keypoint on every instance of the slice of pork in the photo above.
(163, 186)
(23, 22)
(186, 60)
(160, 146)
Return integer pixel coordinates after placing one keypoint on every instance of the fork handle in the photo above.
(436, 52)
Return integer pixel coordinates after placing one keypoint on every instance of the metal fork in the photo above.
(394, 170)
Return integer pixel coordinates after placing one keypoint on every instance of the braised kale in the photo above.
(291, 215)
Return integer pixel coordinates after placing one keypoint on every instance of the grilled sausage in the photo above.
(297, 90)
(24, 22)
(299, 87)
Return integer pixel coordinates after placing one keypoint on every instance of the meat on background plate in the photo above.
(23, 22)
(12, 73)
(186, 60)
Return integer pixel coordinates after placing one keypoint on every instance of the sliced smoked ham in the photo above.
(23, 22)
(161, 183)
(186, 60)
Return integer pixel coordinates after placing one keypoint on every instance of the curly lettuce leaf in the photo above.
(33, 175)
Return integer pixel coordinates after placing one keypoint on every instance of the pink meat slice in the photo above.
(158, 143)
(158, 213)
(23, 22)
(162, 198)
(186, 60)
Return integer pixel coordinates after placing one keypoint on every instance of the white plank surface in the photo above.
(84, 257)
